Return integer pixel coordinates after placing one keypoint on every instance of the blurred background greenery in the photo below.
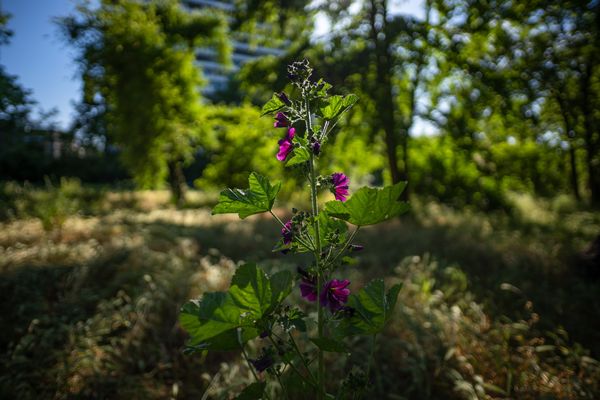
(490, 109)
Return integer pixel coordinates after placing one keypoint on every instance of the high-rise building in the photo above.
(245, 48)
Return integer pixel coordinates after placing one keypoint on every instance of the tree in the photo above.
(137, 66)
(390, 51)
(15, 101)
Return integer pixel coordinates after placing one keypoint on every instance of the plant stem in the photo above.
(315, 214)
(345, 246)
(311, 382)
(373, 338)
(239, 335)
(282, 385)
(302, 241)
(301, 356)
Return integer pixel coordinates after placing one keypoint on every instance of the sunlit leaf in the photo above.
(335, 106)
(245, 202)
(370, 206)
(273, 105)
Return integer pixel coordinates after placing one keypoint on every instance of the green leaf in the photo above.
(331, 345)
(337, 105)
(370, 206)
(253, 391)
(272, 105)
(372, 309)
(213, 321)
(281, 286)
(327, 228)
(214, 314)
(322, 92)
(299, 156)
(251, 290)
(257, 199)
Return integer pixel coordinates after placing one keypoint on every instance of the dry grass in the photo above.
(92, 312)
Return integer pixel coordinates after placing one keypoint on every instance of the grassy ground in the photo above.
(493, 306)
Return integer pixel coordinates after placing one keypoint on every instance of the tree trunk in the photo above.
(590, 139)
(574, 173)
(177, 183)
(383, 89)
(570, 132)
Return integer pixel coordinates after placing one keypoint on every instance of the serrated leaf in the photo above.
(251, 290)
(273, 105)
(213, 321)
(281, 286)
(259, 198)
(337, 105)
(331, 345)
(370, 206)
(300, 155)
(372, 309)
(209, 317)
(253, 391)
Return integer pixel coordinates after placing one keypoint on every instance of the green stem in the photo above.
(345, 246)
(373, 338)
(302, 241)
(239, 335)
(282, 386)
(292, 364)
(301, 357)
(315, 214)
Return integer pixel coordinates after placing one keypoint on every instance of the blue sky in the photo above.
(36, 54)
(45, 64)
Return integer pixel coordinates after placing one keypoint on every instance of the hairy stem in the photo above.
(301, 356)
(311, 382)
(345, 246)
(239, 335)
(315, 214)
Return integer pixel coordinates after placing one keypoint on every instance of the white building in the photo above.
(216, 74)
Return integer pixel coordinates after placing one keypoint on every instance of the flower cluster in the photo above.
(334, 293)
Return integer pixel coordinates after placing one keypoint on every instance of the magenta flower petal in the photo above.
(340, 186)
(285, 145)
(281, 120)
(335, 294)
(308, 289)
(287, 233)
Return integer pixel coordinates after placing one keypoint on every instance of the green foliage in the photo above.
(373, 309)
(137, 64)
(236, 144)
(254, 391)
(213, 322)
(271, 106)
(332, 108)
(258, 198)
(103, 302)
(369, 206)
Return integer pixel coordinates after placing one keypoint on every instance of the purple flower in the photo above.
(285, 145)
(335, 294)
(308, 285)
(283, 97)
(340, 185)
(316, 148)
(281, 120)
(287, 232)
(262, 363)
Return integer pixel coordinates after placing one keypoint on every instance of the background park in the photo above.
(489, 109)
